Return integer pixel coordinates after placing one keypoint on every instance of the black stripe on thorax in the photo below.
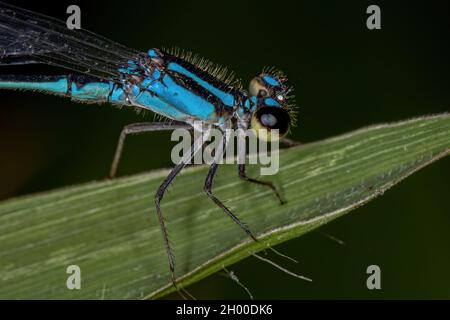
(182, 80)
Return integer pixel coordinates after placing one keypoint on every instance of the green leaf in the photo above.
(110, 230)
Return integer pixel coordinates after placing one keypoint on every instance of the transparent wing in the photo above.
(29, 37)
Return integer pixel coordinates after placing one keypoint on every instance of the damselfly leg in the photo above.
(159, 196)
(208, 189)
(269, 184)
(209, 184)
(141, 127)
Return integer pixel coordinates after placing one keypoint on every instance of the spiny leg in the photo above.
(269, 184)
(159, 196)
(208, 189)
(136, 128)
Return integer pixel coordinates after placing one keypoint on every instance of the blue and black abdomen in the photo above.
(78, 87)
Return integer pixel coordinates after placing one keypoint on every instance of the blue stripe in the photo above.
(271, 102)
(93, 91)
(185, 101)
(271, 80)
(150, 102)
(56, 87)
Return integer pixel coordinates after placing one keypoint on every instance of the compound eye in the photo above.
(271, 118)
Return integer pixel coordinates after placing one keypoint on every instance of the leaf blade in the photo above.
(109, 228)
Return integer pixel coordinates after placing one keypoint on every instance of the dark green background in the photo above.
(345, 77)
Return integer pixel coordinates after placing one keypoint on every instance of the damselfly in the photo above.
(173, 84)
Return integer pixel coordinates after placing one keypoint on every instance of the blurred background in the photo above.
(345, 77)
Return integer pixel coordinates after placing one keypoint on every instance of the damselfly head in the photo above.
(272, 110)
(269, 85)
